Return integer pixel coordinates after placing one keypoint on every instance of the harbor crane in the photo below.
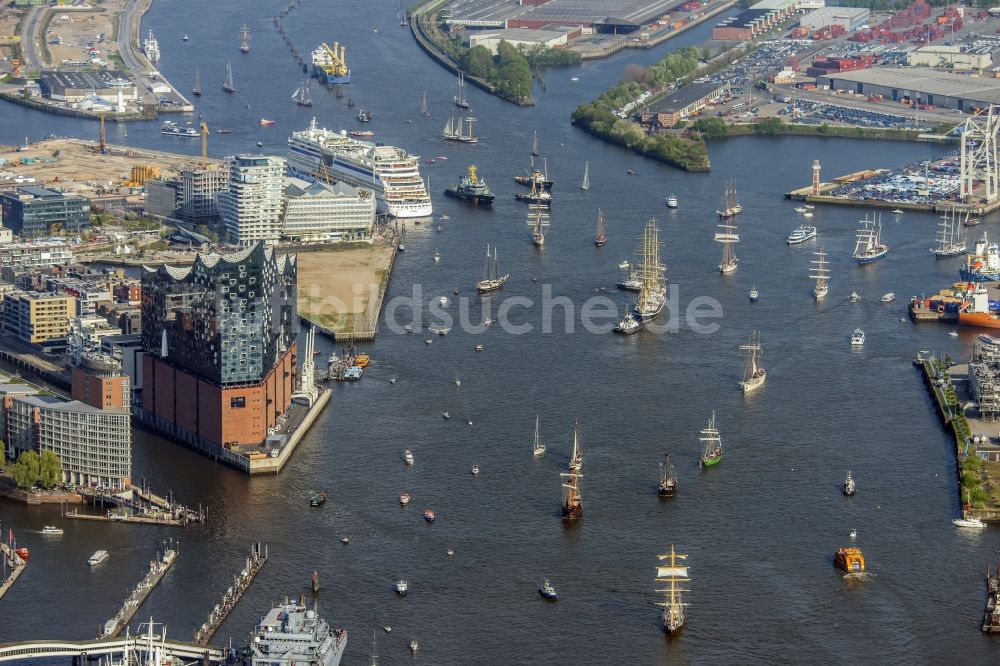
(979, 155)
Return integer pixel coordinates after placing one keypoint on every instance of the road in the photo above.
(29, 42)
(128, 42)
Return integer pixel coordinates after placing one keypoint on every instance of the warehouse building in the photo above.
(759, 18)
(550, 38)
(849, 18)
(683, 103)
(963, 57)
(72, 87)
(934, 87)
(610, 16)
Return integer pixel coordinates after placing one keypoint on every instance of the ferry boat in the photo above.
(849, 488)
(429, 515)
(849, 560)
(317, 498)
(671, 201)
(97, 557)
(869, 246)
(712, 450)
(52, 529)
(858, 338)
(471, 188)
(362, 360)
(547, 590)
(754, 374)
(670, 571)
(329, 64)
(492, 279)
(983, 265)
(668, 478)
(170, 128)
(888, 297)
(390, 172)
(291, 633)
(801, 234)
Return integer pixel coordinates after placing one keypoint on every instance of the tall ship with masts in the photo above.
(869, 246)
(653, 293)
(600, 239)
(302, 96)
(460, 100)
(711, 441)
(492, 280)
(754, 374)
(728, 236)
(730, 206)
(572, 499)
(538, 217)
(390, 172)
(668, 478)
(820, 273)
(455, 130)
(227, 83)
(949, 239)
(670, 570)
(245, 38)
(536, 177)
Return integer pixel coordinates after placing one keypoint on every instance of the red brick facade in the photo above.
(100, 392)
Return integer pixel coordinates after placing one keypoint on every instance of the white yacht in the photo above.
(974, 523)
(800, 235)
(390, 172)
(888, 297)
(402, 587)
(858, 338)
(97, 557)
(671, 201)
(51, 529)
(408, 456)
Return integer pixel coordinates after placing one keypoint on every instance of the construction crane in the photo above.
(204, 144)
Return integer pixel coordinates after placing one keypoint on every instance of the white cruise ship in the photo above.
(391, 172)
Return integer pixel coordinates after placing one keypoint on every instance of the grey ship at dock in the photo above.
(293, 634)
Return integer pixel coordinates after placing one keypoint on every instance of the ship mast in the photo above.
(245, 38)
(651, 270)
(600, 226)
(576, 457)
(753, 355)
(672, 572)
(820, 272)
(710, 436)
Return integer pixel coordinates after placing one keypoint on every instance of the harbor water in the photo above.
(760, 529)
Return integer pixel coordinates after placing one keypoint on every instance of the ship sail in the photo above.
(712, 443)
(196, 90)
(449, 129)
(652, 293)
(572, 499)
(423, 106)
(753, 375)
(576, 456)
(534, 146)
(585, 185)
(671, 573)
(537, 448)
(228, 85)
(601, 238)
(949, 238)
(728, 237)
(869, 245)
(820, 273)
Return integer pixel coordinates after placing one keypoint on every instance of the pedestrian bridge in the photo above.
(81, 651)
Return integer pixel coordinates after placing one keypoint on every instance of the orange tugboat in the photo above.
(850, 560)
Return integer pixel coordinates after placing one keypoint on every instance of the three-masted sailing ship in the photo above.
(492, 279)
(730, 206)
(538, 216)
(671, 571)
(869, 246)
(600, 239)
(728, 237)
(711, 453)
(585, 185)
(245, 38)
(196, 89)
(302, 96)
(820, 273)
(653, 293)
(572, 499)
(537, 448)
(754, 374)
(227, 83)
(460, 100)
(455, 130)
(668, 478)
(949, 239)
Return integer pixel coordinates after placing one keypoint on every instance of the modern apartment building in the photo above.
(320, 212)
(37, 318)
(38, 211)
(250, 206)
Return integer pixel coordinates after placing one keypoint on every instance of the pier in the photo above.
(157, 570)
(241, 582)
(137, 505)
(12, 568)
(991, 619)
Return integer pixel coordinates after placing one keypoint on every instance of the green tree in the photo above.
(3, 452)
(50, 469)
(479, 62)
(25, 471)
(711, 128)
(706, 54)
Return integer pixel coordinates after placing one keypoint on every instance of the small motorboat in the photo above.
(971, 222)
(264, 122)
(437, 228)
(488, 322)
(444, 217)
(671, 201)
(754, 295)
(185, 38)
(953, 334)
(414, 646)
(402, 587)
(260, 144)
(808, 206)
(408, 456)
(547, 590)
(317, 498)
(897, 211)
(630, 172)
(972, 523)
(625, 265)
(800, 209)
(854, 535)
(428, 341)
(479, 348)
(429, 515)
(808, 213)
(458, 382)
(848, 488)
(408, 328)
(404, 498)
(51, 529)
(889, 297)
(451, 551)
(345, 540)
(445, 415)
(470, 422)
(387, 629)
(392, 380)
(475, 470)
(854, 297)
(858, 338)
(456, 291)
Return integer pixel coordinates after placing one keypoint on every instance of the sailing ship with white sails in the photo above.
(302, 96)
(537, 448)
(730, 206)
(600, 239)
(869, 246)
(668, 478)
(538, 216)
(196, 89)
(492, 279)
(820, 273)
(455, 130)
(949, 239)
(728, 237)
(460, 100)
(572, 499)
(754, 373)
(227, 83)
(671, 571)
(534, 146)
(424, 111)
(653, 294)
(585, 185)
(711, 453)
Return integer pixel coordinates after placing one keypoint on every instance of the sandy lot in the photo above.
(77, 28)
(340, 289)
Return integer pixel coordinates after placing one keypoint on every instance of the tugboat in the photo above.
(628, 325)
(317, 498)
(712, 452)
(668, 478)
(547, 590)
(849, 560)
(849, 488)
(672, 572)
(471, 188)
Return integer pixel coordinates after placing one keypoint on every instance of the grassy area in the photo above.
(359, 278)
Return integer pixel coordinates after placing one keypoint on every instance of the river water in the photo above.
(760, 529)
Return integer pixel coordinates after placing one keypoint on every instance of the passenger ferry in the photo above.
(390, 172)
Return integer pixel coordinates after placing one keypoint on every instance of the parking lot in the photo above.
(924, 182)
